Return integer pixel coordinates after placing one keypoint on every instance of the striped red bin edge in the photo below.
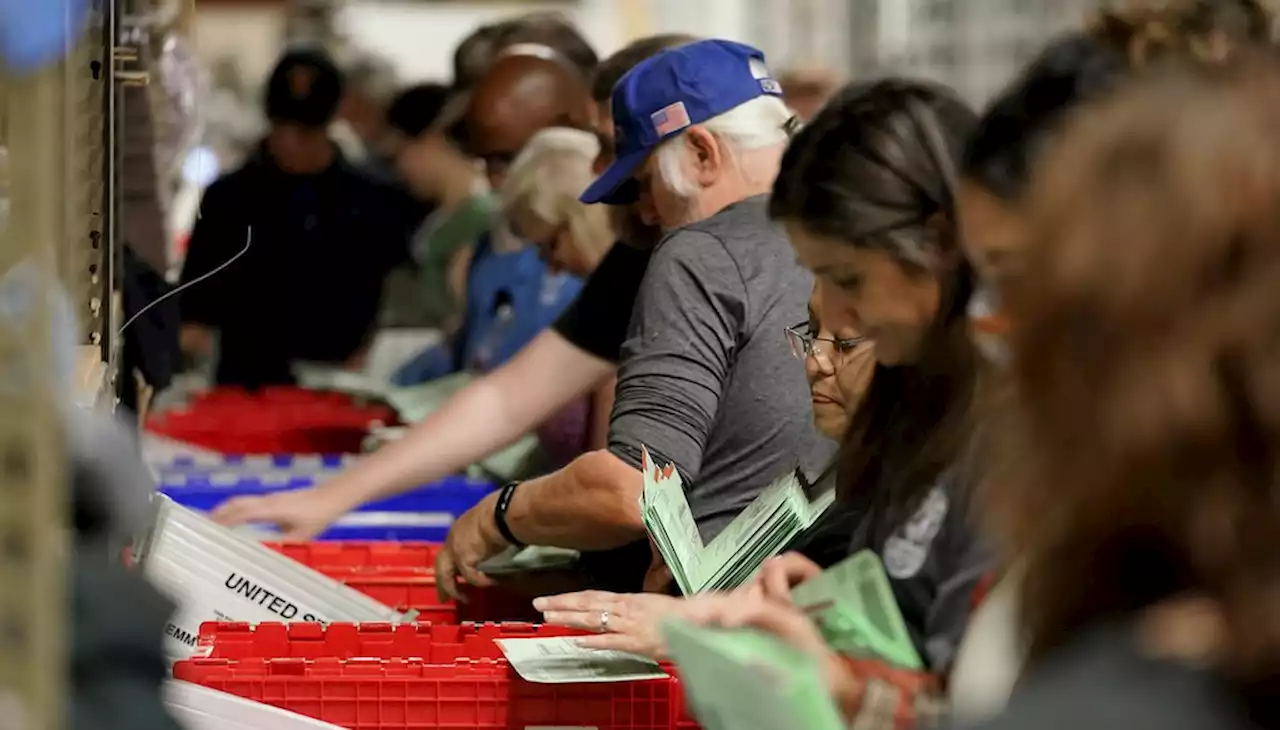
(431, 642)
(409, 694)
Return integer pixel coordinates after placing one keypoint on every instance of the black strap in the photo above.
(500, 513)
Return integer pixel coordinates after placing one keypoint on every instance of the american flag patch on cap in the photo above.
(670, 118)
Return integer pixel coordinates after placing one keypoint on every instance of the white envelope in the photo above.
(217, 574)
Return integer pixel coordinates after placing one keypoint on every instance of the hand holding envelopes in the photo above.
(853, 605)
(780, 513)
(742, 679)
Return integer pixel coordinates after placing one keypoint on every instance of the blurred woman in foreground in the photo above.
(1146, 377)
(1024, 122)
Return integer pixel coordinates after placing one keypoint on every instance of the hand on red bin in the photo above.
(472, 539)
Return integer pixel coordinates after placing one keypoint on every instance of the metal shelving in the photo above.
(61, 227)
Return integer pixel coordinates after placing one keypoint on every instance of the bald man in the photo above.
(527, 89)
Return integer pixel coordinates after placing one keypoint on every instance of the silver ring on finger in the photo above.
(604, 620)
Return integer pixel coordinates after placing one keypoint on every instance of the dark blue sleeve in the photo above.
(219, 234)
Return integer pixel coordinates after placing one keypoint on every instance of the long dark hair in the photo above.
(875, 169)
(1084, 66)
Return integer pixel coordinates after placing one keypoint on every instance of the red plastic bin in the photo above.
(401, 575)
(327, 555)
(242, 653)
(272, 421)
(400, 694)
(436, 644)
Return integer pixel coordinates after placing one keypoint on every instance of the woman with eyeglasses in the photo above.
(838, 366)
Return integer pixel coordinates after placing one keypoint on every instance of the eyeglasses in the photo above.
(804, 344)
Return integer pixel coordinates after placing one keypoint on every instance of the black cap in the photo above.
(305, 89)
(416, 109)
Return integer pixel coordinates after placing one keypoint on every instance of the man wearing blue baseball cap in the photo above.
(707, 382)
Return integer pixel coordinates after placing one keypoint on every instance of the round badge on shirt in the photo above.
(907, 548)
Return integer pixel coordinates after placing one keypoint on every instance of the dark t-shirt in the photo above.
(935, 560)
(310, 284)
(597, 320)
(1103, 681)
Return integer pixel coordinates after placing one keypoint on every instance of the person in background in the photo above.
(1021, 125)
(527, 88)
(291, 249)
(540, 202)
(429, 291)
(510, 294)
(1142, 372)
(472, 58)
(369, 90)
(413, 110)
(806, 89)
(865, 194)
(702, 386)
(562, 364)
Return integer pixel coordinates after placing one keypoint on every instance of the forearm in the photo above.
(591, 504)
(487, 415)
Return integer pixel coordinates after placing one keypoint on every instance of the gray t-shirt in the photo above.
(707, 380)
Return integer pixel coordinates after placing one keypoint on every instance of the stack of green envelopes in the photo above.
(854, 607)
(778, 514)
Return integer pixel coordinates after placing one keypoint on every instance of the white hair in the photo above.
(756, 124)
(546, 178)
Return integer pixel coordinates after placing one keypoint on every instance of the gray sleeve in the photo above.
(967, 560)
(678, 353)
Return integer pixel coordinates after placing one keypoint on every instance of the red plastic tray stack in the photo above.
(402, 575)
(416, 677)
(277, 420)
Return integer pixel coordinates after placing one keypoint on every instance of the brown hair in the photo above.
(612, 69)
(1206, 30)
(1146, 366)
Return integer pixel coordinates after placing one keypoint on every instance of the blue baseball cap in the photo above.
(670, 92)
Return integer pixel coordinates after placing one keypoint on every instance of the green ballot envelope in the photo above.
(769, 523)
(745, 680)
(530, 559)
(854, 607)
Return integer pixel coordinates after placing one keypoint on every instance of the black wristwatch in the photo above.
(500, 512)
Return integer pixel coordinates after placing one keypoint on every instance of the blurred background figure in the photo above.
(551, 29)
(807, 88)
(370, 89)
(301, 241)
(540, 202)
(510, 295)
(525, 90)
(427, 291)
